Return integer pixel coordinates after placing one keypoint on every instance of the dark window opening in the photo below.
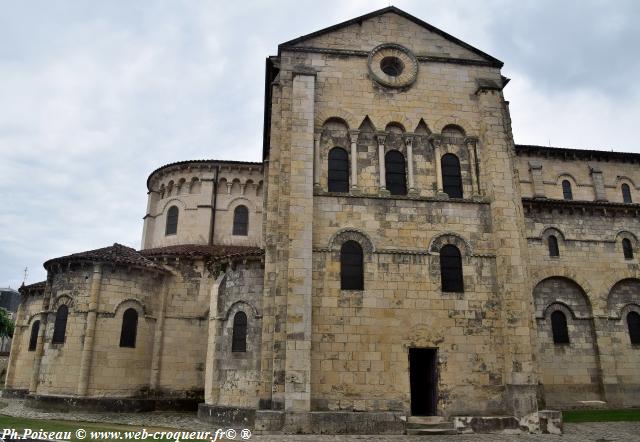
(60, 325)
(451, 176)
(627, 249)
(241, 221)
(633, 322)
(351, 266)
(451, 269)
(566, 190)
(239, 338)
(392, 66)
(338, 176)
(626, 194)
(33, 340)
(559, 328)
(553, 246)
(395, 173)
(172, 221)
(129, 328)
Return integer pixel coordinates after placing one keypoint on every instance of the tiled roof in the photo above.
(217, 251)
(32, 287)
(211, 162)
(588, 154)
(117, 254)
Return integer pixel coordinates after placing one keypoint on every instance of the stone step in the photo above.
(436, 426)
(430, 431)
(425, 419)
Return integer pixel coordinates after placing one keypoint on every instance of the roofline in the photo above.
(211, 162)
(400, 12)
(592, 154)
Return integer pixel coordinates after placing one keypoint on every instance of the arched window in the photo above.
(241, 221)
(451, 269)
(33, 340)
(553, 246)
(239, 338)
(395, 173)
(633, 322)
(559, 328)
(566, 190)
(129, 328)
(338, 179)
(172, 221)
(627, 248)
(451, 176)
(626, 193)
(351, 266)
(60, 326)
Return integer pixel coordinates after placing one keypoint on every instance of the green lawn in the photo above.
(629, 415)
(20, 424)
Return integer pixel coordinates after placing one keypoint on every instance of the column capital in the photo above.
(436, 140)
(471, 141)
(353, 135)
(408, 140)
(381, 137)
(317, 136)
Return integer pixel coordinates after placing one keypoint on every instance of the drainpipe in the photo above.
(214, 201)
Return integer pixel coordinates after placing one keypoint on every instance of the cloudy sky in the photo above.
(95, 95)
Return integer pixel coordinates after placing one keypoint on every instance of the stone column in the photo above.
(513, 286)
(297, 391)
(90, 330)
(383, 178)
(37, 357)
(316, 160)
(353, 137)
(211, 388)
(535, 168)
(471, 148)
(436, 141)
(408, 142)
(149, 219)
(598, 182)
(158, 337)
(21, 326)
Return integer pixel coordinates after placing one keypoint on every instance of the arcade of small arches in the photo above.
(396, 158)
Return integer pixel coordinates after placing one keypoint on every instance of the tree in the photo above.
(6, 324)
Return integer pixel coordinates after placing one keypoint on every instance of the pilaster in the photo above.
(598, 182)
(158, 337)
(513, 285)
(353, 137)
(90, 330)
(381, 138)
(408, 142)
(535, 168)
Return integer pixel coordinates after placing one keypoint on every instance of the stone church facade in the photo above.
(395, 254)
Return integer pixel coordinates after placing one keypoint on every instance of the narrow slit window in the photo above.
(395, 173)
(626, 194)
(239, 338)
(627, 248)
(559, 328)
(567, 193)
(129, 328)
(633, 322)
(33, 340)
(338, 174)
(553, 246)
(451, 176)
(60, 325)
(451, 269)
(241, 221)
(172, 221)
(351, 266)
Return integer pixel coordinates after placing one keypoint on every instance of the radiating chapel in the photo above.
(394, 256)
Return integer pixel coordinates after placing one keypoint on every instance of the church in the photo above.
(394, 263)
